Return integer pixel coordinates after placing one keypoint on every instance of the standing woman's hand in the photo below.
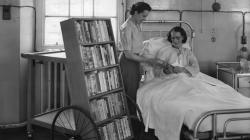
(178, 69)
(160, 63)
(156, 62)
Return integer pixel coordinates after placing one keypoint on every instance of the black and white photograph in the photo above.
(124, 70)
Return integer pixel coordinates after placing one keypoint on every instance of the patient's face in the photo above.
(176, 39)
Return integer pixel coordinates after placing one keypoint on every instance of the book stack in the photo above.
(116, 130)
(97, 56)
(107, 107)
(93, 31)
(102, 80)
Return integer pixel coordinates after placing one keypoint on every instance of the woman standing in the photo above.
(131, 46)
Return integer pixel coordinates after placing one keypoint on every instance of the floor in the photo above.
(44, 134)
(21, 134)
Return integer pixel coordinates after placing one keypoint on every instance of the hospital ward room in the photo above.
(125, 70)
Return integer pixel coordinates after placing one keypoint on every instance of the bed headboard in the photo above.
(160, 28)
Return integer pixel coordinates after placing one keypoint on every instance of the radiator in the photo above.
(51, 88)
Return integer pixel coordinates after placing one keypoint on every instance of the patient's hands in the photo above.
(168, 69)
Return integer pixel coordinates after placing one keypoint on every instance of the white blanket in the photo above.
(171, 101)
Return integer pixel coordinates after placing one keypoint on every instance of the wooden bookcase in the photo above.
(95, 80)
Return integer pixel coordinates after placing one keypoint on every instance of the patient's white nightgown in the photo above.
(182, 57)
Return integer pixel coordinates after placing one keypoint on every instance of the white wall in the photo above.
(16, 36)
(227, 27)
(26, 45)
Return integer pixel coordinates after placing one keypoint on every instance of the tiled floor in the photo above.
(43, 134)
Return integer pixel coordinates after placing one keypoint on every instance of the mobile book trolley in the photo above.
(93, 80)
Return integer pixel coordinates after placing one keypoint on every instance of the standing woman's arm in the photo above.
(126, 38)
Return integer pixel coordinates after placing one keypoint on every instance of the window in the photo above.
(51, 12)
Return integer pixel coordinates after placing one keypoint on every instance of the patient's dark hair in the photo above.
(180, 30)
(139, 7)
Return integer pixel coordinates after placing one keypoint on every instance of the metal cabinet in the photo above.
(234, 75)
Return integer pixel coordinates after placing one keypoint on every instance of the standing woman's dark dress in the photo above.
(131, 40)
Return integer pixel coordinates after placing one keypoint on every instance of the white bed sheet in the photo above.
(169, 102)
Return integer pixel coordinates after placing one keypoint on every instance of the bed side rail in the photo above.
(214, 115)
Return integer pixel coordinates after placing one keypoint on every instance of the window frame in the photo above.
(40, 24)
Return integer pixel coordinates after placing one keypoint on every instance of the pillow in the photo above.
(151, 46)
(150, 49)
(187, 45)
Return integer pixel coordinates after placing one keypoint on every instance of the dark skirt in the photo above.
(131, 77)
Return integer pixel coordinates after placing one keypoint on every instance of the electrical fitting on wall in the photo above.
(213, 36)
(6, 13)
(216, 6)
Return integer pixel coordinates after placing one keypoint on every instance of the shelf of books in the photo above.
(94, 75)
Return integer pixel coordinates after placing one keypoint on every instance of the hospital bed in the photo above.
(194, 133)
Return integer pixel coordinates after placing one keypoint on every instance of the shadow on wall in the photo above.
(206, 67)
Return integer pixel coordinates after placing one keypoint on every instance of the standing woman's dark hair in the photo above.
(181, 31)
(139, 7)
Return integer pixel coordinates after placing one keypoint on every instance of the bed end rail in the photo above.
(214, 115)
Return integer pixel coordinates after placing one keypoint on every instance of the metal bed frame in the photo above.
(194, 134)
(214, 114)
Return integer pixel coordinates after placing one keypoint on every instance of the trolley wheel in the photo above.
(73, 123)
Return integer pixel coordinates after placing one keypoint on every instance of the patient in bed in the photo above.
(179, 93)
(178, 59)
(174, 51)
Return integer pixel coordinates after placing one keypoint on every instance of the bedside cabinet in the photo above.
(232, 74)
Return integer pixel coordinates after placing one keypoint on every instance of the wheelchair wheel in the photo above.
(72, 123)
